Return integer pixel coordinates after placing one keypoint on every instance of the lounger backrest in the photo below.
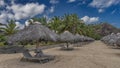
(26, 53)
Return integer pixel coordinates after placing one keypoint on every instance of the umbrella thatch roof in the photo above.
(67, 37)
(78, 38)
(81, 38)
(34, 32)
(118, 42)
(108, 38)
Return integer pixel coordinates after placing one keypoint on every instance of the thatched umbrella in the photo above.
(35, 33)
(78, 38)
(110, 39)
(67, 37)
(118, 42)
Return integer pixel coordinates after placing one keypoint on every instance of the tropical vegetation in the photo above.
(7, 30)
(71, 23)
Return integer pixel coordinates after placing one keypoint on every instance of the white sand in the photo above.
(94, 55)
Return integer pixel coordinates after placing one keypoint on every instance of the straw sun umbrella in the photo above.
(34, 32)
(67, 37)
(78, 38)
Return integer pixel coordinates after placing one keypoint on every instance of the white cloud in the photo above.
(101, 10)
(2, 3)
(12, 2)
(49, 11)
(19, 11)
(4, 16)
(102, 4)
(26, 11)
(54, 1)
(52, 9)
(19, 25)
(70, 1)
(90, 20)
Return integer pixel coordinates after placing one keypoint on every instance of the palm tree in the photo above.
(55, 24)
(72, 23)
(76, 22)
(9, 28)
(69, 22)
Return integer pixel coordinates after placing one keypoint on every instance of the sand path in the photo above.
(93, 55)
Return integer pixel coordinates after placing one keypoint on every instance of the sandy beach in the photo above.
(93, 55)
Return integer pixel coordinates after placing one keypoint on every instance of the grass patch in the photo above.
(2, 44)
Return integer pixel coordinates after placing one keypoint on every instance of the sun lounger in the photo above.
(28, 57)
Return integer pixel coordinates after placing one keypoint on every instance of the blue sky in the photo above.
(91, 11)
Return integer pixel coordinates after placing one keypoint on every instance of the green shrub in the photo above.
(2, 44)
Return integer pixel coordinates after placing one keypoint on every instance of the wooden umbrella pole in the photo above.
(67, 45)
(37, 44)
